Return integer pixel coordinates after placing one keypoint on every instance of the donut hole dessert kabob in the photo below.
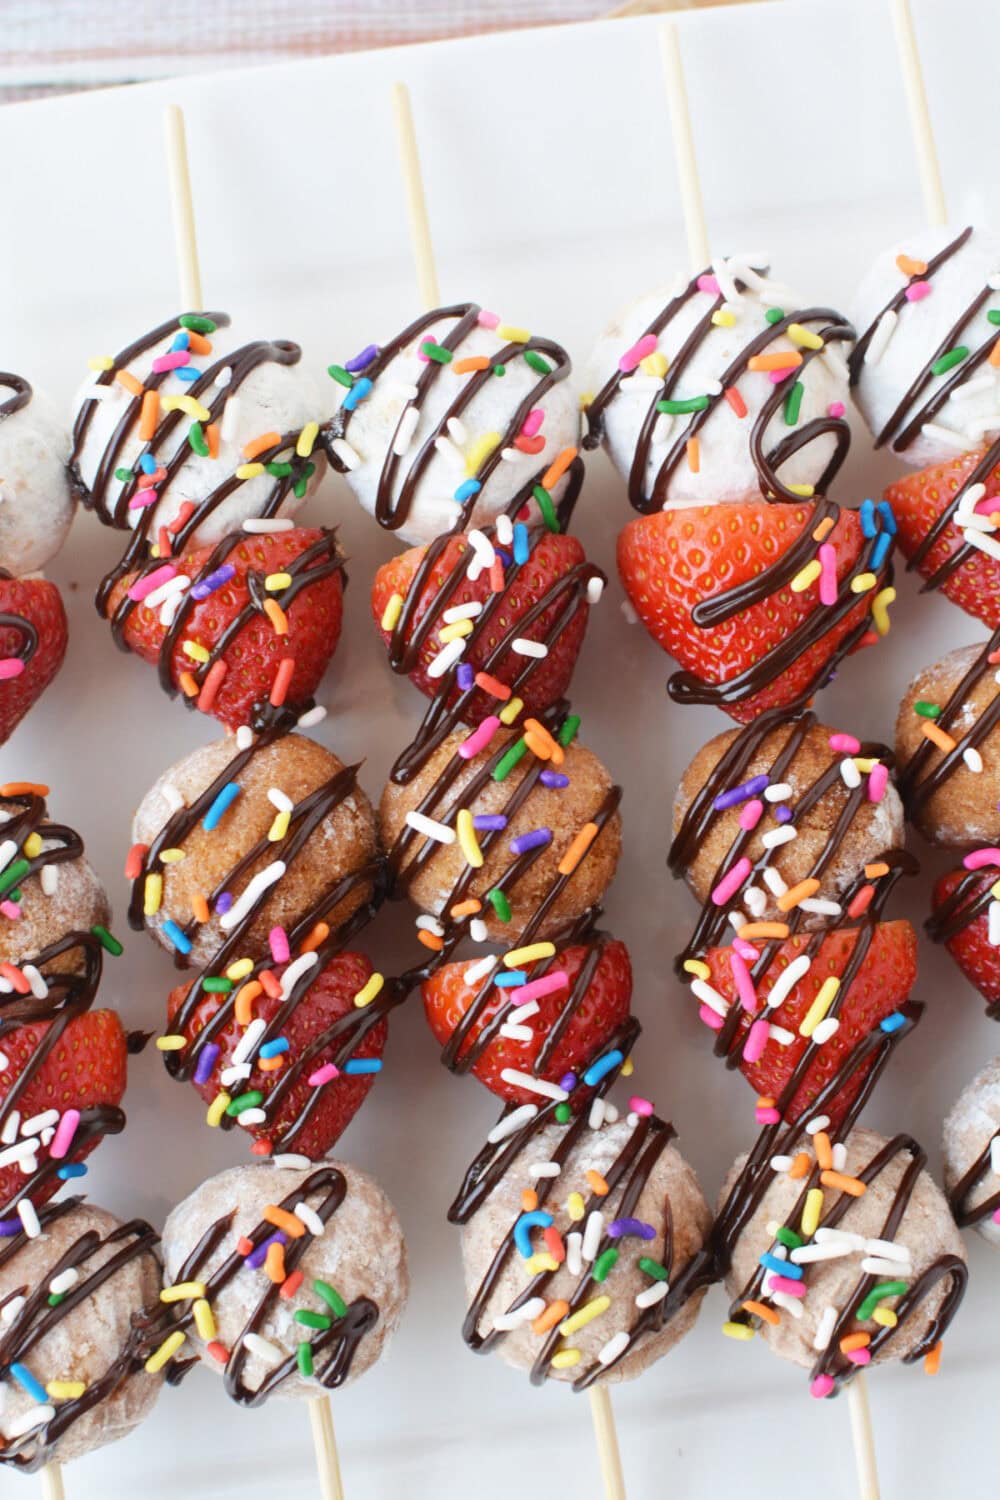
(972, 1154)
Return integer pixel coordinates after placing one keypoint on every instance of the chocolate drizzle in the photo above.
(21, 394)
(961, 1195)
(333, 1349)
(391, 509)
(27, 635)
(970, 900)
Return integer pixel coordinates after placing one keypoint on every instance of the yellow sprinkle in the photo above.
(467, 840)
(171, 1043)
(240, 969)
(518, 956)
(824, 999)
(169, 1347)
(811, 1212)
(152, 895)
(306, 439)
(204, 1320)
(723, 318)
(512, 334)
(995, 891)
(885, 1316)
(584, 1315)
(33, 846)
(249, 471)
(275, 581)
(172, 856)
(540, 1261)
(696, 967)
(510, 710)
(586, 399)
(392, 612)
(805, 490)
(367, 993)
(182, 1290)
(866, 763)
(154, 550)
(455, 631)
(576, 1207)
(738, 1331)
(279, 827)
(480, 452)
(655, 364)
(218, 1108)
(65, 1390)
(808, 575)
(565, 1358)
(195, 651)
(101, 362)
(880, 610)
(804, 337)
(628, 1068)
(188, 404)
(862, 582)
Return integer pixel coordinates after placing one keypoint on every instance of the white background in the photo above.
(553, 199)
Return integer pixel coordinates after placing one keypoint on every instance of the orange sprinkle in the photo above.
(763, 930)
(282, 681)
(823, 1147)
(995, 353)
(199, 908)
(133, 865)
(854, 1341)
(466, 908)
(597, 1183)
(529, 1200)
(761, 1310)
(212, 439)
(12, 973)
(23, 789)
(557, 468)
(274, 1263)
(244, 1245)
(735, 400)
(164, 543)
(430, 940)
(319, 935)
(270, 983)
(554, 1243)
(937, 736)
(911, 267)
(243, 1004)
(261, 444)
(861, 902)
(578, 848)
(553, 1314)
(873, 872)
(797, 893)
(823, 529)
(198, 343)
(128, 380)
(800, 1166)
(149, 416)
(493, 686)
(543, 746)
(188, 685)
(781, 359)
(932, 1360)
(852, 1186)
(277, 616)
(529, 444)
(210, 687)
(466, 366)
(290, 1285)
(261, 1148)
(269, 1064)
(497, 580)
(282, 1219)
(218, 1351)
(693, 452)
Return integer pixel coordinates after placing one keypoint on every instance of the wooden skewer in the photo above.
(52, 1482)
(416, 202)
(607, 1442)
(920, 118)
(864, 1442)
(687, 163)
(325, 1443)
(182, 210)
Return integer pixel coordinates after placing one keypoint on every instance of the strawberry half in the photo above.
(970, 947)
(882, 984)
(604, 1006)
(329, 998)
(86, 1068)
(675, 559)
(32, 631)
(553, 557)
(252, 655)
(919, 500)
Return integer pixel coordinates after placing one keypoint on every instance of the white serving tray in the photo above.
(553, 198)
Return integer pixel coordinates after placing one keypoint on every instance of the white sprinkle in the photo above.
(610, 1113)
(825, 1030)
(405, 429)
(521, 1013)
(253, 1116)
(781, 1035)
(839, 1156)
(779, 791)
(980, 426)
(479, 970)
(817, 1123)
(971, 756)
(405, 390)
(595, 590)
(970, 388)
(4, 1062)
(483, 554)
(879, 342)
(457, 430)
(348, 455)
(511, 455)
(38, 986)
(995, 1154)
(29, 1219)
(47, 1135)
(260, 883)
(662, 428)
(523, 647)
(888, 1249)
(292, 1161)
(987, 544)
(724, 274)
(829, 1250)
(310, 1218)
(462, 612)
(263, 1348)
(478, 930)
(430, 828)
(971, 521)
(50, 879)
(534, 1085)
(790, 1305)
(937, 433)
(515, 1033)
(278, 799)
(736, 919)
(595, 1118)
(311, 717)
(574, 1253)
(544, 1169)
(641, 384)
(35, 1416)
(9, 1133)
(295, 971)
(825, 1327)
(426, 923)
(511, 1123)
(172, 797)
(775, 837)
(449, 452)
(505, 529)
(7, 851)
(446, 657)
(10, 1310)
(247, 1044)
(773, 881)
(244, 737)
(709, 996)
(780, 1163)
(593, 1233)
(969, 499)
(819, 907)
(855, 1241)
(650, 1295)
(849, 773)
(614, 1348)
(787, 980)
(876, 1265)
(264, 525)
(37, 1123)
(236, 1074)
(755, 900)
(533, 1308)
(168, 592)
(223, 378)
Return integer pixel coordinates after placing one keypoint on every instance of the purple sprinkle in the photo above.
(490, 822)
(783, 813)
(257, 1257)
(363, 360)
(536, 839)
(465, 676)
(568, 1082)
(9, 1227)
(214, 581)
(206, 1062)
(223, 904)
(504, 557)
(638, 1227)
(554, 779)
(738, 794)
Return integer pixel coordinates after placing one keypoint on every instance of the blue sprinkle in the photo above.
(465, 677)
(522, 547)
(512, 980)
(147, 463)
(34, 1387)
(213, 817)
(181, 341)
(536, 838)
(602, 1067)
(181, 942)
(892, 1023)
(72, 1169)
(781, 1267)
(466, 490)
(888, 517)
(363, 1065)
(206, 1062)
(638, 1227)
(525, 1224)
(363, 360)
(783, 813)
(359, 390)
(868, 527)
(188, 373)
(880, 550)
(554, 779)
(738, 794)
(257, 1257)
(489, 822)
(275, 1048)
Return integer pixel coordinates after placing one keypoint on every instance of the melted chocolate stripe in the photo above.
(21, 394)
(960, 1197)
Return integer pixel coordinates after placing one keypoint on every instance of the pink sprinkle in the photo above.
(787, 1285)
(845, 744)
(777, 376)
(996, 1216)
(707, 283)
(836, 409)
(878, 780)
(828, 577)
(989, 506)
(323, 1075)
(744, 984)
(479, 738)
(708, 1015)
(171, 361)
(558, 980)
(278, 939)
(860, 1356)
(65, 1131)
(767, 1115)
(917, 291)
(533, 421)
(11, 666)
(980, 857)
(488, 319)
(639, 350)
(142, 498)
(10, 910)
(821, 1386)
(731, 882)
(750, 813)
(746, 950)
(144, 586)
(640, 1106)
(756, 1041)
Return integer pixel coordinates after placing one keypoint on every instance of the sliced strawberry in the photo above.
(673, 560)
(33, 631)
(605, 1004)
(328, 999)
(970, 947)
(919, 500)
(552, 558)
(883, 982)
(86, 1067)
(253, 656)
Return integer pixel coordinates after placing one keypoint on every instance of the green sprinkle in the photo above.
(107, 940)
(499, 370)
(563, 1114)
(302, 483)
(340, 375)
(653, 1268)
(682, 408)
(604, 1264)
(994, 314)
(312, 1320)
(249, 1100)
(774, 315)
(927, 710)
(15, 896)
(304, 1356)
(546, 507)
(950, 360)
(436, 352)
(568, 729)
(333, 1300)
(217, 986)
(13, 874)
(788, 1237)
(55, 1298)
(500, 904)
(536, 362)
(793, 404)
(197, 440)
(279, 470)
(125, 476)
(879, 1294)
(196, 323)
(509, 760)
